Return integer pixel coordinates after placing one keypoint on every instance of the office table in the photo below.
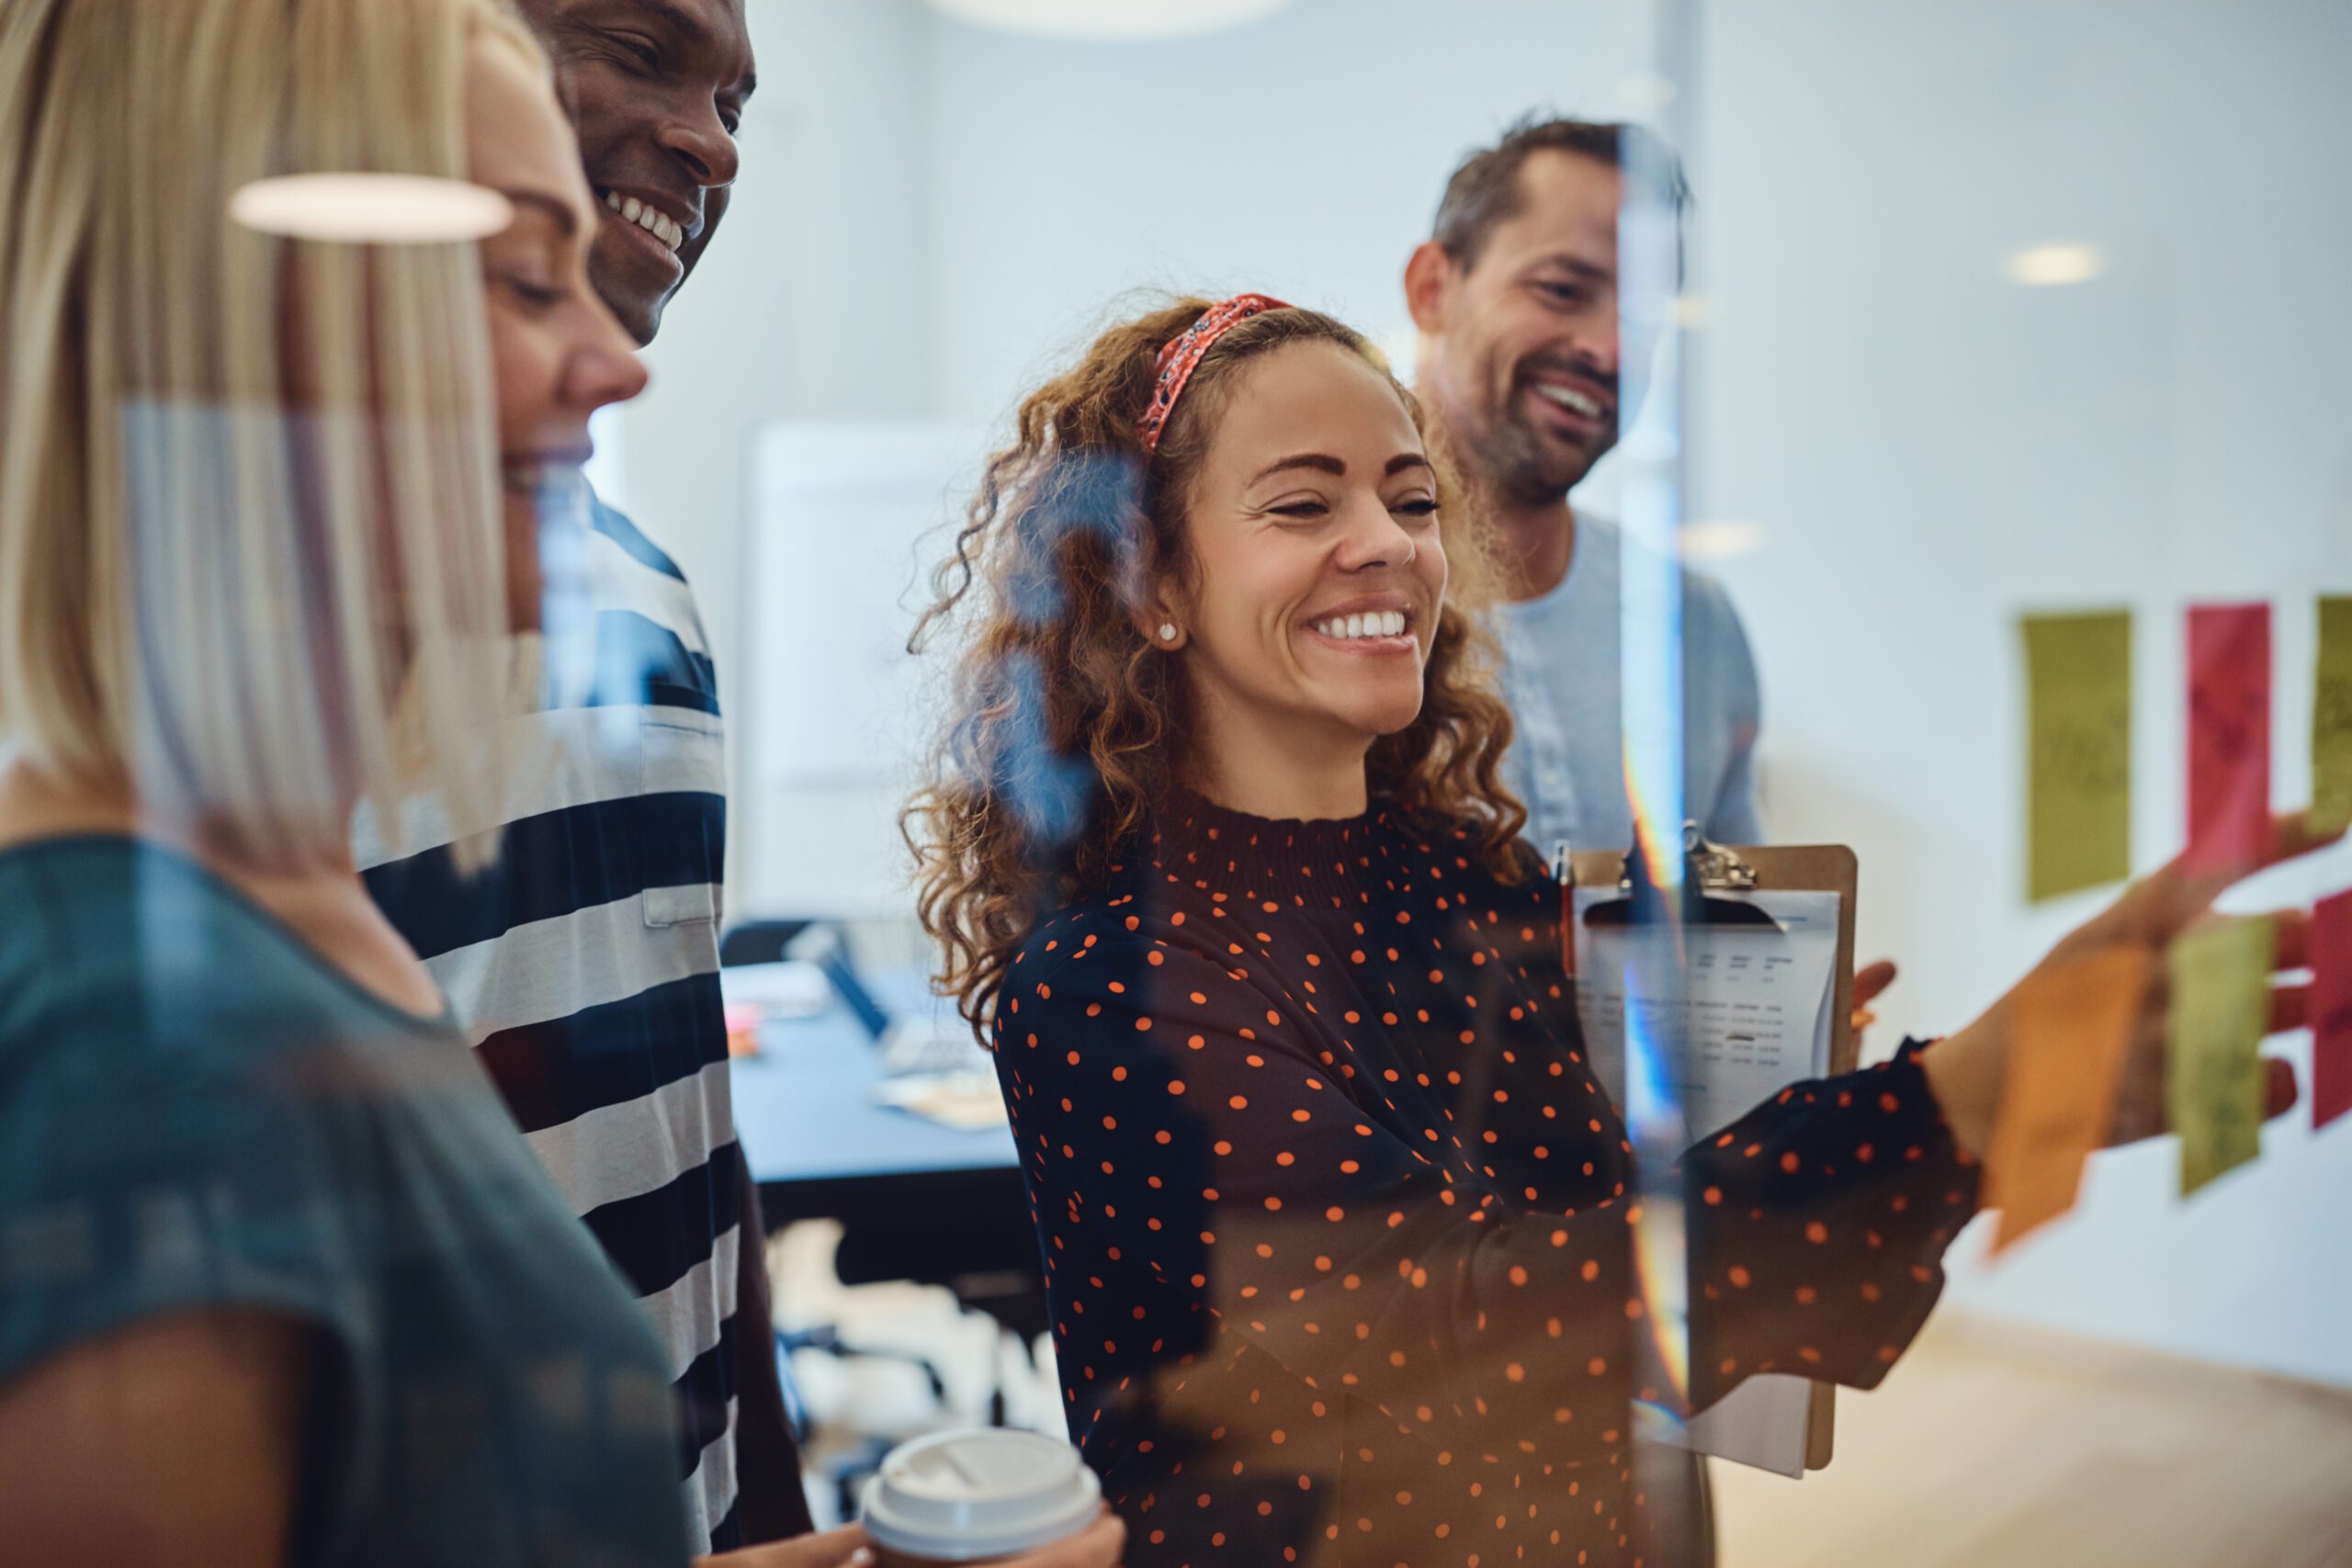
(821, 1148)
(915, 1199)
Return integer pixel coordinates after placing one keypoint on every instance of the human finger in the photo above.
(2291, 938)
(2289, 1009)
(2278, 1093)
(2184, 887)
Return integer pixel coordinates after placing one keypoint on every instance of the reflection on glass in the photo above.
(386, 1156)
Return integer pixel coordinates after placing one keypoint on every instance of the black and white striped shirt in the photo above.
(583, 963)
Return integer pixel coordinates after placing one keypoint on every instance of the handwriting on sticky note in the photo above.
(2221, 1004)
(2071, 1035)
(2229, 735)
(2332, 718)
(2330, 1009)
(2078, 751)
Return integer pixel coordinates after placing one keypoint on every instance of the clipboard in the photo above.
(1712, 870)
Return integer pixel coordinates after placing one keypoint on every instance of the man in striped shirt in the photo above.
(584, 962)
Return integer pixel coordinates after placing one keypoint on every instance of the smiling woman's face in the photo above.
(1317, 570)
(557, 353)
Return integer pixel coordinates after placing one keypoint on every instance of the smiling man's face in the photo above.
(1524, 366)
(656, 91)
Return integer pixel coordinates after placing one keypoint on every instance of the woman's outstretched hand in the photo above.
(1967, 1068)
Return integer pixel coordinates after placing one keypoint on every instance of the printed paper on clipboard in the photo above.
(1757, 1007)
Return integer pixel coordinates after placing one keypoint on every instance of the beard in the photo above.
(1514, 461)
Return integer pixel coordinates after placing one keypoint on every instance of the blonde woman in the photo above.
(278, 1281)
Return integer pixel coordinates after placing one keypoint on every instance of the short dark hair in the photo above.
(1484, 190)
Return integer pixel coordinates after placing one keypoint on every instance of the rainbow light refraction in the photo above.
(1650, 636)
(1655, 971)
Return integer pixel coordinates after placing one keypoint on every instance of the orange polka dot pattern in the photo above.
(1335, 1215)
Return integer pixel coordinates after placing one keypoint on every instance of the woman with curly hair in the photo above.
(1337, 1221)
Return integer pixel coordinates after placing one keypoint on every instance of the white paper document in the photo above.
(1755, 1006)
(790, 988)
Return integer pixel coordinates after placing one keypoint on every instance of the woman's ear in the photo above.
(1161, 621)
(1166, 633)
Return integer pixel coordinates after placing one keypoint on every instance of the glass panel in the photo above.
(1295, 781)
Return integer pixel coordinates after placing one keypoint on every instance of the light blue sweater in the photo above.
(1563, 677)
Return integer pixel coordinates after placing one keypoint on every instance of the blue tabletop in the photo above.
(805, 1108)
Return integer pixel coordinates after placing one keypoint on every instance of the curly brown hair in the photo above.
(1065, 729)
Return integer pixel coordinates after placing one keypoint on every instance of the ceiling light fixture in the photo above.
(1110, 20)
(372, 209)
(2055, 264)
(1711, 541)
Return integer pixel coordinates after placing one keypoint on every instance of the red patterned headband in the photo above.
(1183, 355)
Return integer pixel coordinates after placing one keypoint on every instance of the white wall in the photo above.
(832, 726)
(1006, 173)
(1302, 157)
(1929, 449)
(813, 299)
(1926, 447)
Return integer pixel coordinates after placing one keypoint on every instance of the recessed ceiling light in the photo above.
(1720, 540)
(2054, 264)
(1109, 19)
(372, 209)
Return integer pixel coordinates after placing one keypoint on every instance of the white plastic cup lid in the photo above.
(964, 1496)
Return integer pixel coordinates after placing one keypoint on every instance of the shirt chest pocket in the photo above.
(683, 781)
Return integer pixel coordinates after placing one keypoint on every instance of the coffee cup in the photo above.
(976, 1496)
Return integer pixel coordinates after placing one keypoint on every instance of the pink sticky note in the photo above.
(2331, 1009)
(2229, 735)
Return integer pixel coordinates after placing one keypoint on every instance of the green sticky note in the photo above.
(2332, 718)
(2078, 751)
(2221, 1005)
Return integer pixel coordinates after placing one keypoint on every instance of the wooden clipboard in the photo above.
(1763, 868)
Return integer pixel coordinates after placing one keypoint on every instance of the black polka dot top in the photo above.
(1335, 1217)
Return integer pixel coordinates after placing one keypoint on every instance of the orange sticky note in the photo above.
(2071, 1033)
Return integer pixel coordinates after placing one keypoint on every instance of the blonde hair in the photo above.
(250, 530)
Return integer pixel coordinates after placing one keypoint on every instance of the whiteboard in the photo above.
(847, 518)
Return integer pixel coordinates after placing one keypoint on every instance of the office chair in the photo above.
(846, 1473)
(987, 1263)
(758, 942)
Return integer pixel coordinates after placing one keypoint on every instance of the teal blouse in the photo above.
(197, 1112)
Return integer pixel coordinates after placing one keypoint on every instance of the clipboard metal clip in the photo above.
(1712, 865)
(1712, 869)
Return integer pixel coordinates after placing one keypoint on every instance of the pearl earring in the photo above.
(1168, 631)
